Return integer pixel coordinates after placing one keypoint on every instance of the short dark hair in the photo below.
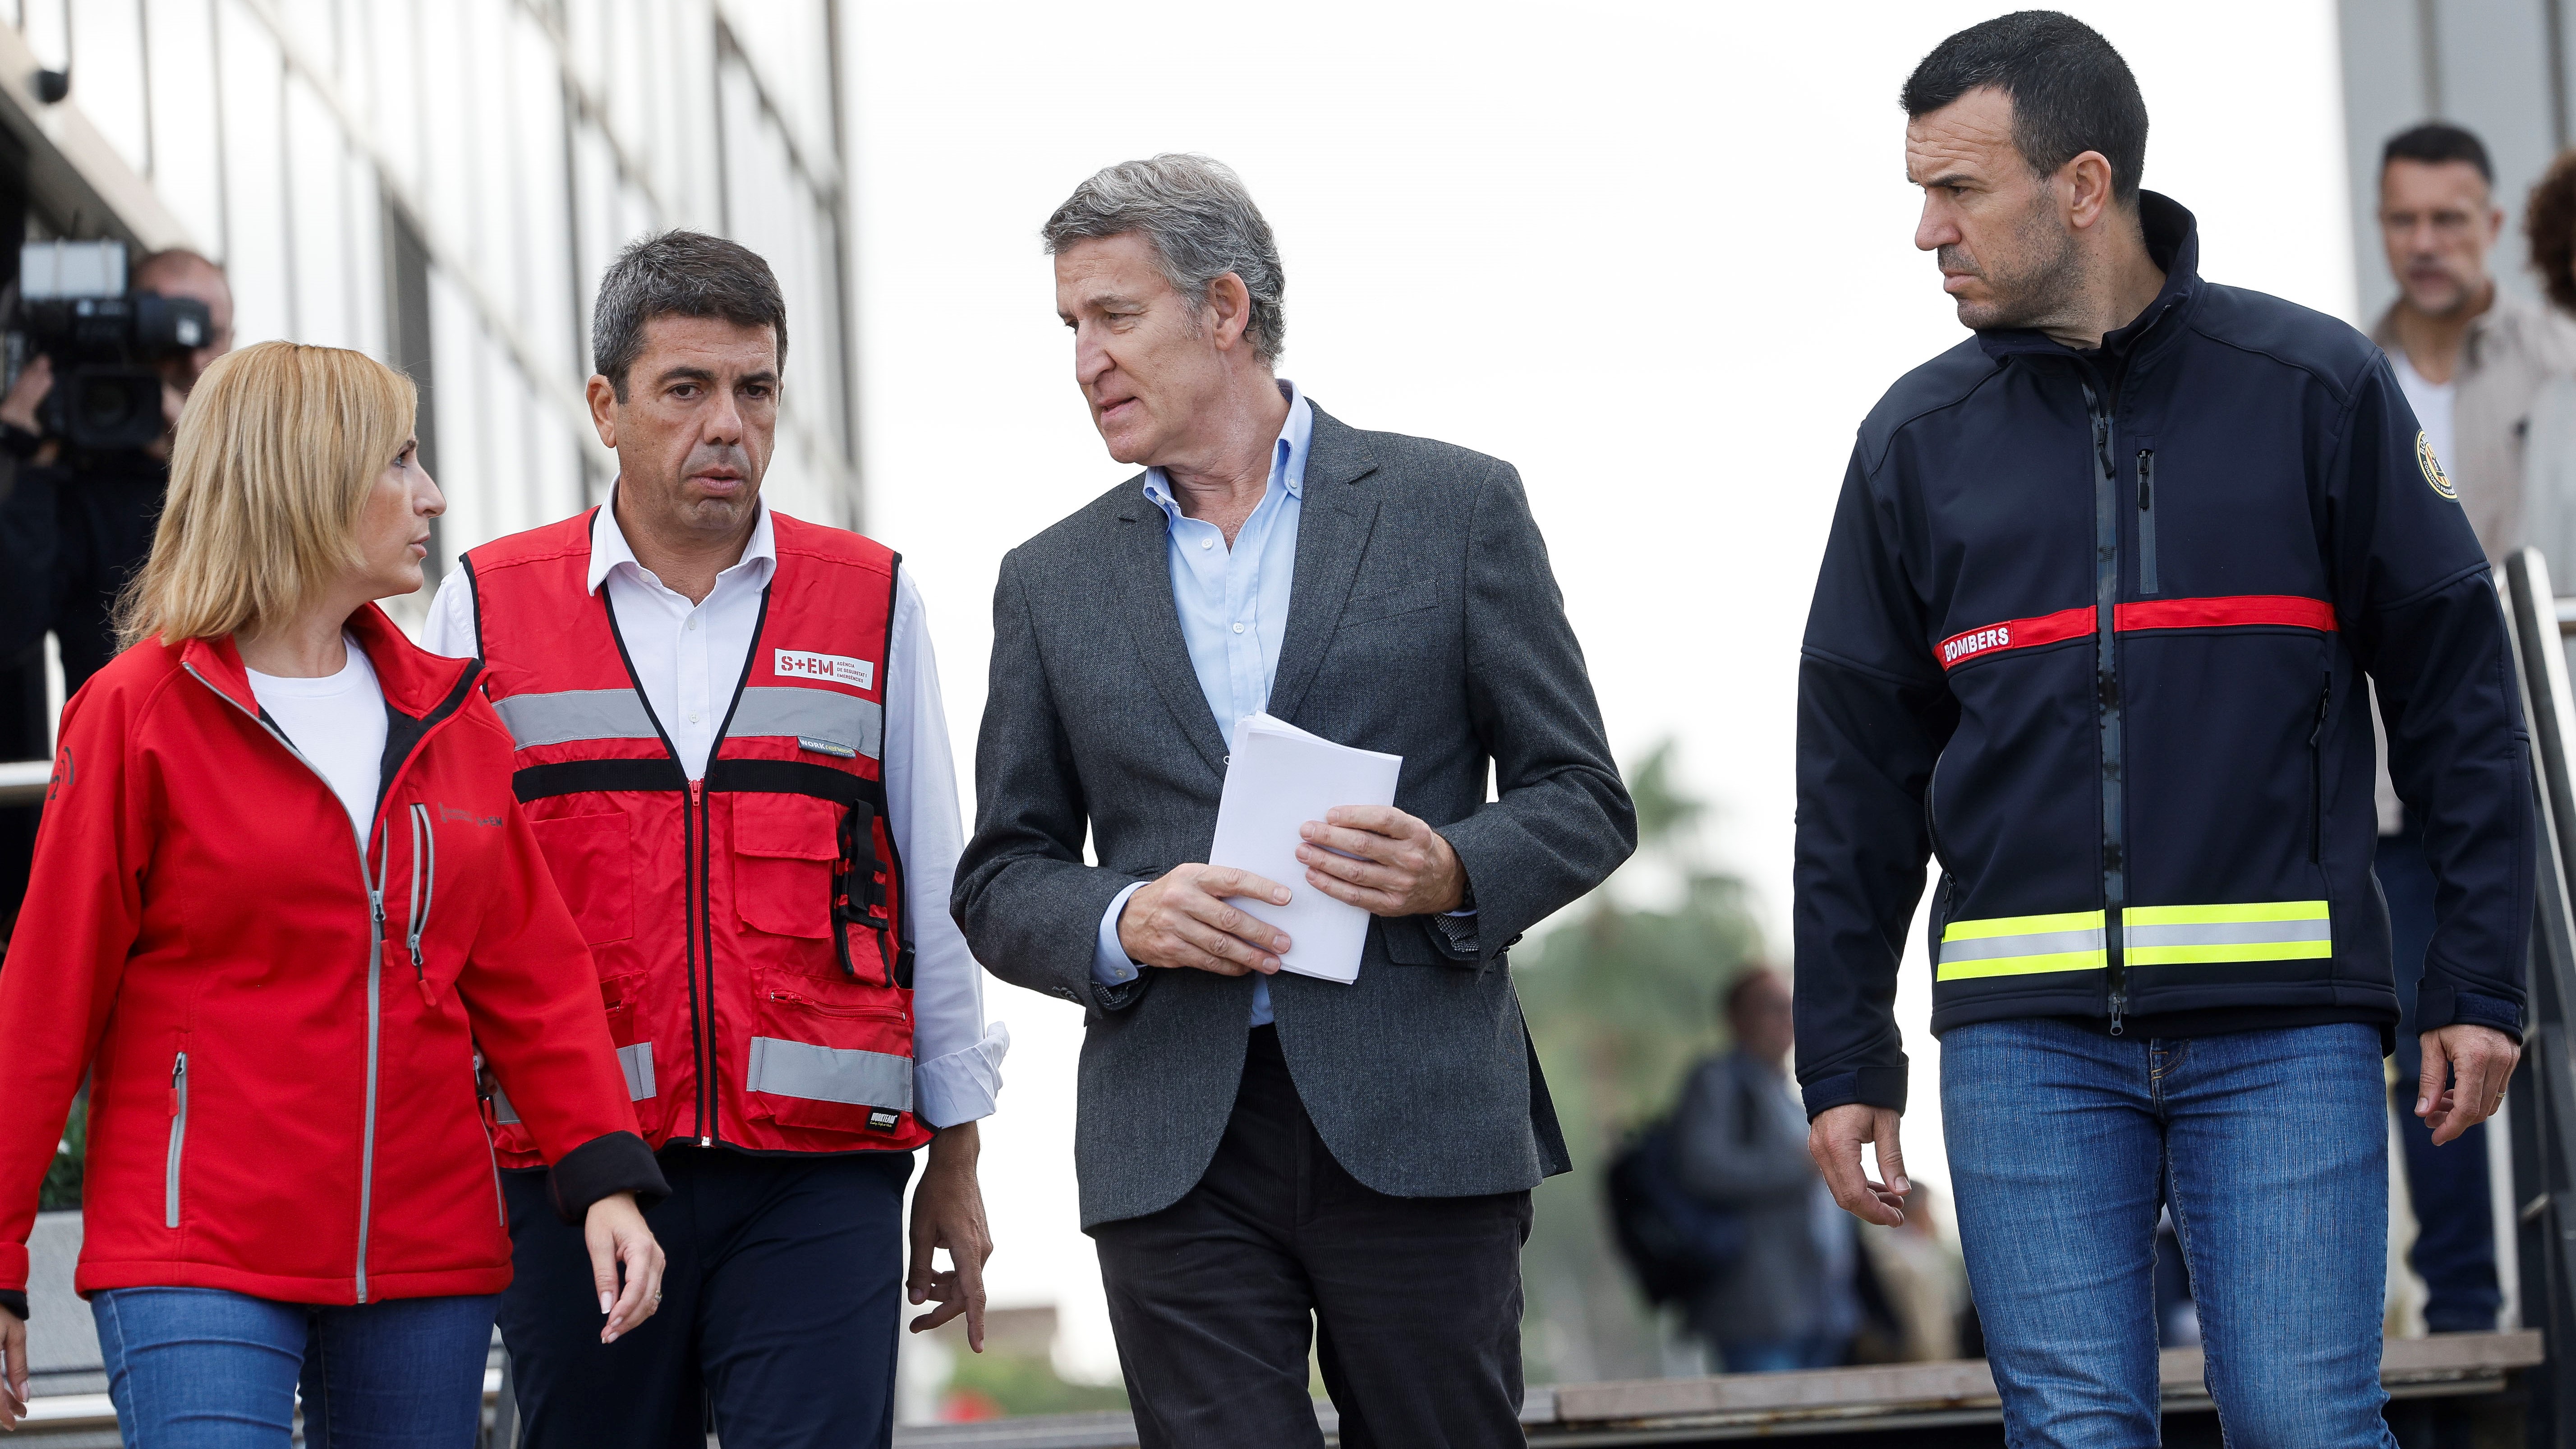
(1731, 1000)
(2071, 92)
(2549, 219)
(680, 274)
(2435, 142)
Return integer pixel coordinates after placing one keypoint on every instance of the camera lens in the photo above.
(106, 406)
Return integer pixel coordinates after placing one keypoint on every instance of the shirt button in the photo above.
(693, 622)
(1207, 543)
(693, 716)
(1238, 628)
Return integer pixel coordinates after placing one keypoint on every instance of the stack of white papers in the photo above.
(1280, 778)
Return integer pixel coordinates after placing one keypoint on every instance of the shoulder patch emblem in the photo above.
(2432, 467)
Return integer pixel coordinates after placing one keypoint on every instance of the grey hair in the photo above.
(1202, 224)
(680, 274)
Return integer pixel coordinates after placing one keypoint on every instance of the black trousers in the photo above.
(780, 1305)
(1413, 1305)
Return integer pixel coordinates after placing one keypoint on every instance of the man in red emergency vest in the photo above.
(731, 745)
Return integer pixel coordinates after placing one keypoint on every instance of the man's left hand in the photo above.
(948, 1212)
(2483, 1058)
(1403, 867)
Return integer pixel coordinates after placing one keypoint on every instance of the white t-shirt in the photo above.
(2433, 402)
(338, 722)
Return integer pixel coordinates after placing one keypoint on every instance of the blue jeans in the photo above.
(202, 1368)
(2271, 1147)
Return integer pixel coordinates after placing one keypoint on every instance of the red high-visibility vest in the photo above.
(753, 958)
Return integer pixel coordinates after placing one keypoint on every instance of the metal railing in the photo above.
(2543, 1130)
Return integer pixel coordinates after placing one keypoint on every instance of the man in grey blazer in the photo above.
(1259, 1152)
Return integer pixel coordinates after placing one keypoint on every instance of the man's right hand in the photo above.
(35, 382)
(1834, 1140)
(1183, 920)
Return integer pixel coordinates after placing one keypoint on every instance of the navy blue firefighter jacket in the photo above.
(2093, 630)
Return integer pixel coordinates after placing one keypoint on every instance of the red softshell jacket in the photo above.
(281, 1035)
(748, 926)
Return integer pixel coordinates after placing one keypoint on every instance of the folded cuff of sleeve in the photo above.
(2504, 1016)
(962, 1086)
(1872, 1086)
(618, 1162)
(15, 1300)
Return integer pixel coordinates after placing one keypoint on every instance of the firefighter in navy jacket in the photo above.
(2100, 652)
(2096, 628)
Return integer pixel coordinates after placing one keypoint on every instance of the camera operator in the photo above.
(77, 524)
(74, 525)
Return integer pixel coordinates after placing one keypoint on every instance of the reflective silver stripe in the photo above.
(2240, 933)
(635, 1061)
(576, 714)
(829, 1074)
(2037, 943)
(821, 714)
(638, 1062)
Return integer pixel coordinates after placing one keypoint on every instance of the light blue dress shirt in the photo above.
(1233, 605)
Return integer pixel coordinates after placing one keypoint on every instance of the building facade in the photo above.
(441, 182)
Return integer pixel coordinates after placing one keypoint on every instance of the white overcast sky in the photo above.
(1657, 255)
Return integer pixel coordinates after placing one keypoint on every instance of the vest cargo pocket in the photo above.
(592, 858)
(783, 850)
(827, 1056)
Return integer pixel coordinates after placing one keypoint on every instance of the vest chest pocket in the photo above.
(592, 858)
(783, 850)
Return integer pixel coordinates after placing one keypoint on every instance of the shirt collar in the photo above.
(1287, 456)
(609, 548)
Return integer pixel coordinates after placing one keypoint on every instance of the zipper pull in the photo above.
(2119, 1005)
(2146, 481)
(428, 997)
(698, 792)
(376, 911)
(178, 1073)
(2325, 702)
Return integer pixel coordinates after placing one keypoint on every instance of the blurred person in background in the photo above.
(275, 821)
(2549, 461)
(2472, 359)
(74, 526)
(2102, 591)
(1787, 1300)
(1387, 592)
(732, 746)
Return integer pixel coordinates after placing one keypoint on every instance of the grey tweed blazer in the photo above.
(1423, 621)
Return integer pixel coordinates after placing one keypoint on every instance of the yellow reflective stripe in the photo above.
(2025, 965)
(2023, 925)
(2258, 951)
(2229, 915)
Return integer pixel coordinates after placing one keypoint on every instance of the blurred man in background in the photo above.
(1787, 1300)
(74, 525)
(2471, 358)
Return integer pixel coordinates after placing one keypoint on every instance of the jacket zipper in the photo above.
(695, 829)
(424, 892)
(2106, 698)
(178, 1138)
(2317, 776)
(2146, 521)
(825, 1008)
(374, 885)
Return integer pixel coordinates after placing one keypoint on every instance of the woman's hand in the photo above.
(615, 1231)
(13, 1350)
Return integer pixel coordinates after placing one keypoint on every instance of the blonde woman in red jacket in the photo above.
(282, 897)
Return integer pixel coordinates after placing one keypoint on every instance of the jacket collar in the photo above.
(415, 681)
(2173, 243)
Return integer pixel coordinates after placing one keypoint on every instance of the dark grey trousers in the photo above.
(1413, 1305)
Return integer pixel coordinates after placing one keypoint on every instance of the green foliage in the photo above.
(1621, 1000)
(998, 1384)
(62, 1187)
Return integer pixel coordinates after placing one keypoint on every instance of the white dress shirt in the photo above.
(689, 658)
